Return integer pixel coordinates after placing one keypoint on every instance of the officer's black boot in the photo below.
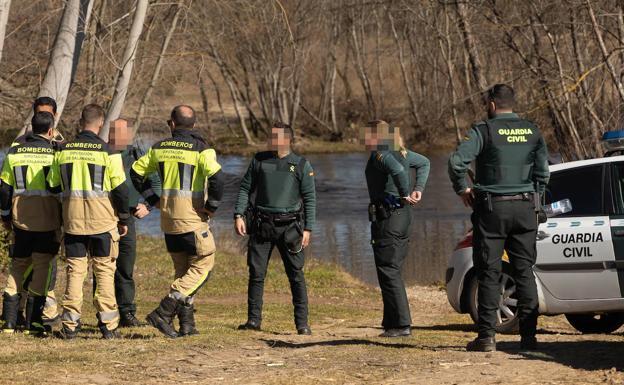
(482, 344)
(162, 317)
(10, 307)
(37, 326)
(250, 325)
(129, 320)
(186, 317)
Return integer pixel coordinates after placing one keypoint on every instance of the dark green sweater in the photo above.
(389, 173)
(280, 185)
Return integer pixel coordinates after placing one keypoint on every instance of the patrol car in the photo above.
(580, 253)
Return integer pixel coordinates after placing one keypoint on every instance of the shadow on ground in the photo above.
(341, 342)
(587, 355)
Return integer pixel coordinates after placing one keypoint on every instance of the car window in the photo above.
(582, 186)
(618, 187)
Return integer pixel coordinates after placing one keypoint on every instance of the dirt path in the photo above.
(347, 352)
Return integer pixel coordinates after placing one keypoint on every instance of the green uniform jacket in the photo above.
(535, 162)
(389, 173)
(129, 157)
(280, 184)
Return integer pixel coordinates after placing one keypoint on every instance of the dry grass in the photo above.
(344, 348)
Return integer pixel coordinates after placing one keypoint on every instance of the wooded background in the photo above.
(325, 66)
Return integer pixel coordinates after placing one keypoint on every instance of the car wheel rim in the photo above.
(508, 307)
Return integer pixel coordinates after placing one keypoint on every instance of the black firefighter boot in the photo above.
(187, 320)
(35, 306)
(10, 307)
(162, 317)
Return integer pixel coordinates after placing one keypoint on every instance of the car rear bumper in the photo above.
(459, 265)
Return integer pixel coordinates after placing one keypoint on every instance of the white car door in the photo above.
(575, 254)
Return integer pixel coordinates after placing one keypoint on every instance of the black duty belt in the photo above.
(279, 217)
(517, 197)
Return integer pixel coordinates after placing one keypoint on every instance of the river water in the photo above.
(342, 234)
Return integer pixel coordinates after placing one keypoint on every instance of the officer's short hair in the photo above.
(91, 113)
(503, 96)
(44, 101)
(181, 117)
(41, 122)
(284, 126)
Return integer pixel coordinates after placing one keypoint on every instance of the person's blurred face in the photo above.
(369, 138)
(120, 136)
(279, 139)
(381, 139)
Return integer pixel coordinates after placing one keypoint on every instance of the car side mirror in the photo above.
(558, 208)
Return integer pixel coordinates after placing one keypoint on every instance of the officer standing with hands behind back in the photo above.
(511, 161)
(392, 193)
(282, 215)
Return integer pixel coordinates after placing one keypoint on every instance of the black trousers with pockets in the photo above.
(510, 226)
(390, 239)
(124, 275)
(258, 255)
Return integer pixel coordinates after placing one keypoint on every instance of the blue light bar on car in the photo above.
(613, 140)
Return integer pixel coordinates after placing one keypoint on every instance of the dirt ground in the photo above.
(344, 349)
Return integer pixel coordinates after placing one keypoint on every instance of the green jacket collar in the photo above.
(506, 115)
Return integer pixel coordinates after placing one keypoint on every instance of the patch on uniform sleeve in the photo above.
(379, 156)
(466, 138)
(311, 173)
(292, 168)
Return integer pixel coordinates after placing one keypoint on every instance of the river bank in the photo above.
(345, 349)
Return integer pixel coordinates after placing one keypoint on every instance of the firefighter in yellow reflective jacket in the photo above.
(95, 212)
(24, 265)
(33, 214)
(184, 162)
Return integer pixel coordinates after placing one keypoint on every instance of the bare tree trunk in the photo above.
(125, 72)
(471, 47)
(358, 58)
(57, 79)
(5, 6)
(583, 89)
(566, 95)
(92, 68)
(220, 104)
(205, 107)
(332, 99)
(86, 6)
(378, 55)
(605, 54)
(407, 83)
(446, 51)
(159, 63)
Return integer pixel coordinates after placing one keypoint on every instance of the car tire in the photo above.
(604, 323)
(508, 315)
